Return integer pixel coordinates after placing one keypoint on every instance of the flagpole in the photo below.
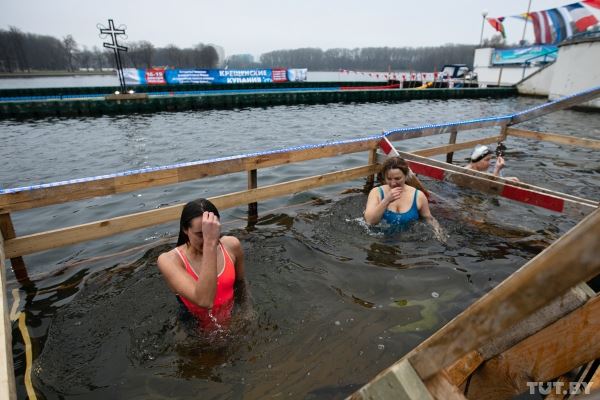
(483, 14)
(526, 19)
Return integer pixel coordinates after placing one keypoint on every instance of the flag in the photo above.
(496, 23)
(559, 24)
(541, 27)
(592, 3)
(567, 18)
(580, 16)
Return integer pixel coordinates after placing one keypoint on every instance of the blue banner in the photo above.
(525, 54)
(176, 76)
(158, 76)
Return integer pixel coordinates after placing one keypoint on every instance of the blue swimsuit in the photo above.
(398, 219)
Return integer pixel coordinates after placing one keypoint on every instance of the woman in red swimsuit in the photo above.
(204, 267)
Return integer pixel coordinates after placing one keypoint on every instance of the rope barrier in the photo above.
(28, 357)
(406, 130)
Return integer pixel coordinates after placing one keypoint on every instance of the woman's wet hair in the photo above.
(394, 163)
(190, 211)
(411, 178)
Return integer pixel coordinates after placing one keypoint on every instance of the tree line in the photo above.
(20, 52)
(368, 58)
(25, 52)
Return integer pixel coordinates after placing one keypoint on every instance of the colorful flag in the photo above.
(559, 24)
(592, 3)
(541, 27)
(496, 23)
(567, 18)
(582, 17)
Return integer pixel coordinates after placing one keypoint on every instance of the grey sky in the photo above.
(257, 27)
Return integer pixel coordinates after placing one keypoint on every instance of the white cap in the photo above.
(479, 152)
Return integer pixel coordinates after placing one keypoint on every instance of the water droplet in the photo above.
(435, 295)
(338, 323)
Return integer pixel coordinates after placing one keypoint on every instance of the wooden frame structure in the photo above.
(424, 363)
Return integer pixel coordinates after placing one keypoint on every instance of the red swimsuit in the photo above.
(218, 316)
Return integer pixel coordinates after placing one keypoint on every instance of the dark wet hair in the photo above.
(400, 163)
(190, 211)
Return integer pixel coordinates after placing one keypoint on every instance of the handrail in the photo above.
(21, 198)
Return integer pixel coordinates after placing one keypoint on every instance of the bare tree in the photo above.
(146, 50)
(70, 50)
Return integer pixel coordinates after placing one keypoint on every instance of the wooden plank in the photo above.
(555, 138)
(566, 344)
(488, 177)
(372, 160)
(107, 186)
(461, 369)
(559, 307)
(17, 263)
(7, 375)
(434, 151)
(442, 388)
(489, 184)
(94, 230)
(574, 298)
(556, 106)
(401, 383)
(565, 263)
(451, 141)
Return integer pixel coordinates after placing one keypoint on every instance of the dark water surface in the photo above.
(334, 302)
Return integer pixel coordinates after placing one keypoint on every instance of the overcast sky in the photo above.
(257, 27)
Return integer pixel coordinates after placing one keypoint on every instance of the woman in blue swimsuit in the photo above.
(396, 202)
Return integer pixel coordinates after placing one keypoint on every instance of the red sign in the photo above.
(155, 76)
(279, 75)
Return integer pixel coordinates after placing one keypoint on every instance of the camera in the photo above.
(500, 149)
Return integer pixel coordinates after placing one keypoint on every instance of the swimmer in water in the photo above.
(481, 159)
(205, 269)
(396, 202)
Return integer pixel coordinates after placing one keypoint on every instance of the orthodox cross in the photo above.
(114, 44)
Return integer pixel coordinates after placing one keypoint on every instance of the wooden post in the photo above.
(371, 178)
(452, 140)
(7, 375)
(252, 207)
(18, 265)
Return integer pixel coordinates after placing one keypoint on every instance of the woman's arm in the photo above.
(376, 206)
(425, 213)
(201, 292)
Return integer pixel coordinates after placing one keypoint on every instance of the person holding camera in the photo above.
(481, 159)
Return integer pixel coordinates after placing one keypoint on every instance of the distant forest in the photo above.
(24, 52)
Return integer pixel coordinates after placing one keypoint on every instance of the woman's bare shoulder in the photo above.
(231, 243)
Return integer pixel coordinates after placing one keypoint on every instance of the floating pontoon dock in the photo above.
(72, 102)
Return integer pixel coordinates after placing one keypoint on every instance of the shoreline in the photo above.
(38, 74)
